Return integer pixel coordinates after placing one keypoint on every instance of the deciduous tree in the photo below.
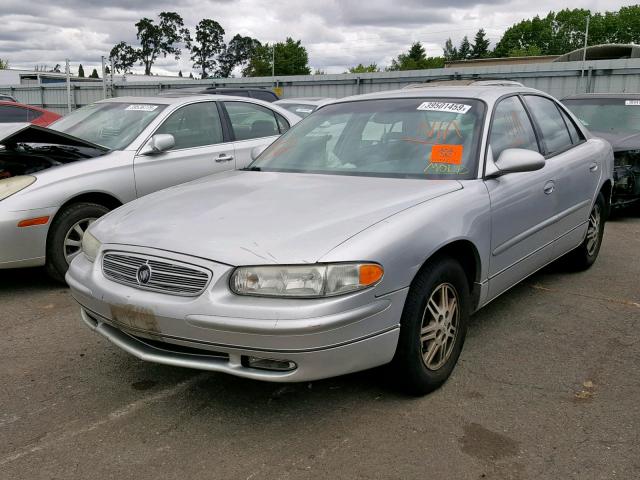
(162, 38)
(124, 57)
(209, 43)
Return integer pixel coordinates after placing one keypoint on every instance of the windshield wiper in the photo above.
(251, 169)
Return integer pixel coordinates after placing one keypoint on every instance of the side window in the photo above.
(574, 133)
(555, 135)
(249, 120)
(10, 114)
(283, 124)
(511, 128)
(194, 125)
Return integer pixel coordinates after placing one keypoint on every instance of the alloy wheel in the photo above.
(73, 238)
(593, 229)
(439, 326)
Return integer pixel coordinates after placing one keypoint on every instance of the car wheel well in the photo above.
(466, 253)
(100, 198)
(606, 193)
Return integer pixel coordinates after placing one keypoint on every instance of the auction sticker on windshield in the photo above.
(444, 107)
(142, 108)
(449, 154)
(635, 103)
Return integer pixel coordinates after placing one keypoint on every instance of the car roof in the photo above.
(24, 105)
(584, 96)
(488, 93)
(305, 100)
(174, 98)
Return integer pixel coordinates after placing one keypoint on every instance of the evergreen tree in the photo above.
(80, 71)
(464, 51)
(480, 47)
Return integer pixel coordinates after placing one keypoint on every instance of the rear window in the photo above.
(609, 115)
(435, 138)
(265, 95)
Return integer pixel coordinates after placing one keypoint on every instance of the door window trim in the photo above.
(232, 134)
(225, 132)
(493, 114)
(546, 154)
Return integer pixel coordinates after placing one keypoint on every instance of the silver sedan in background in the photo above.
(303, 106)
(55, 182)
(365, 235)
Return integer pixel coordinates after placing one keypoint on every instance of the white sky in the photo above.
(337, 33)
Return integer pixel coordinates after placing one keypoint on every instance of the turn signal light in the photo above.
(30, 222)
(370, 273)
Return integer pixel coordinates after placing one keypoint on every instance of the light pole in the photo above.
(584, 52)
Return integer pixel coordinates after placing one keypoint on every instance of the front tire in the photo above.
(433, 326)
(586, 253)
(65, 236)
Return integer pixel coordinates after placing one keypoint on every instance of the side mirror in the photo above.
(514, 160)
(256, 151)
(160, 142)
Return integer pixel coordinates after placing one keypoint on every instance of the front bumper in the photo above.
(218, 330)
(23, 246)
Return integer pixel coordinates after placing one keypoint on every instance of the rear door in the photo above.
(201, 148)
(252, 125)
(577, 169)
(522, 204)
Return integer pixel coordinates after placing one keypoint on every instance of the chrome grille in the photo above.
(162, 275)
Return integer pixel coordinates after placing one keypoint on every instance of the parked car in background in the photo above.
(12, 112)
(257, 93)
(303, 106)
(56, 181)
(7, 98)
(365, 235)
(616, 118)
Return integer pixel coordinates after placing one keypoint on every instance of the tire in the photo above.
(420, 365)
(582, 257)
(59, 254)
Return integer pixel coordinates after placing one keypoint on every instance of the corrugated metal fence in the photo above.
(558, 79)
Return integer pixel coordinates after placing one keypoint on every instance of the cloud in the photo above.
(337, 33)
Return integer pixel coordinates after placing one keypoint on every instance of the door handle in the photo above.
(549, 187)
(593, 167)
(223, 157)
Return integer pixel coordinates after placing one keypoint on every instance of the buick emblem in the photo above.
(144, 274)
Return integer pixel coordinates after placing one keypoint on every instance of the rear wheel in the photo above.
(585, 255)
(64, 242)
(433, 326)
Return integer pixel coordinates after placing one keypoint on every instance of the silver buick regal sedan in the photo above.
(366, 235)
(55, 182)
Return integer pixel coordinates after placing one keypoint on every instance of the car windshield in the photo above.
(619, 115)
(300, 109)
(111, 124)
(434, 138)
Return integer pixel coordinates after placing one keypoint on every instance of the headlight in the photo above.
(12, 185)
(317, 280)
(90, 246)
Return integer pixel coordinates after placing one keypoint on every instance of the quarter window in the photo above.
(555, 135)
(250, 120)
(576, 136)
(511, 128)
(194, 125)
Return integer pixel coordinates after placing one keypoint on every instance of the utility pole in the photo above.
(104, 80)
(273, 61)
(68, 71)
(584, 51)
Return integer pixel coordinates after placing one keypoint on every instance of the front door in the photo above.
(200, 150)
(522, 204)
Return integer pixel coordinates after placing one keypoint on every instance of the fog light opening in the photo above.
(268, 364)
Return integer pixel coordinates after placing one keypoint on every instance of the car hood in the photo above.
(621, 141)
(245, 218)
(14, 133)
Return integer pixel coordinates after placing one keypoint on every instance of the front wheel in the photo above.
(586, 253)
(433, 326)
(65, 236)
